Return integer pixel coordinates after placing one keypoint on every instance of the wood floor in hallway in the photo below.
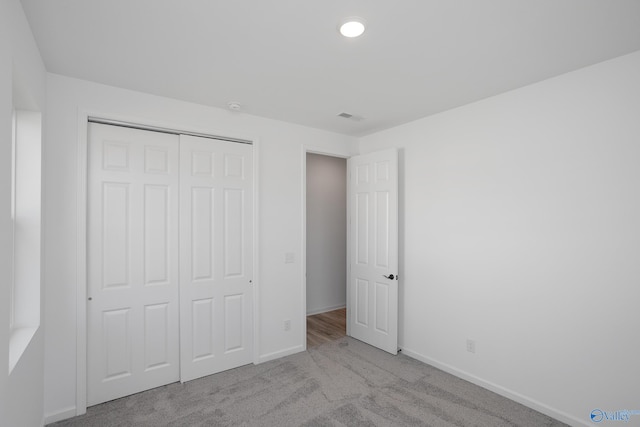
(326, 327)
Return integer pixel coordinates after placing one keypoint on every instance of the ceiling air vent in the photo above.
(351, 117)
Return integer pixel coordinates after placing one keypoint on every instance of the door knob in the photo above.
(390, 277)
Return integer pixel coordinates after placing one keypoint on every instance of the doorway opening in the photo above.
(326, 248)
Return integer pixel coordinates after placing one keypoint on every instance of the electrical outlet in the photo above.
(287, 325)
(471, 346)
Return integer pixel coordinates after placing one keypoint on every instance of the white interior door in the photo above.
(216, 235)
(373, 249)
(132, 307)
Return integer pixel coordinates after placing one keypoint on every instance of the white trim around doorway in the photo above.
(303, 248)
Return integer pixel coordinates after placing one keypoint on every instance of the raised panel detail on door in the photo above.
(132, 237)
(156, 160)
(362, 228)
(202, 233)
(362, 302)
(115, 234)
(233, 166)
(115, 156)
(156, 234)
(233, 322)
(382, 171)
(202, 163)
(156, 336)
(362, 174)
(233, 233)
(117, 343)
(373, 249)
(203, 327)
(382, 307)
(382, 229)
(216, 298)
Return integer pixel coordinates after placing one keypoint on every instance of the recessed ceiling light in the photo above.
(352, 27)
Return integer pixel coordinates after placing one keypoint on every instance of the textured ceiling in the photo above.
(284, 59)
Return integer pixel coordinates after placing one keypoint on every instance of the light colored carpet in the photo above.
(343, 383)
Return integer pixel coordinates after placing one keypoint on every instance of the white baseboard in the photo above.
(324, 310)
(502, 391)
(280, 353)
(60, 415)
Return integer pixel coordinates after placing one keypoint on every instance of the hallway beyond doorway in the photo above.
(326, 327)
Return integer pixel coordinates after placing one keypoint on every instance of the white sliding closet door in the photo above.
(216, 235)
(132, 307)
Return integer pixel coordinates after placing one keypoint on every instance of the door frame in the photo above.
(81, 232)
(342, 154)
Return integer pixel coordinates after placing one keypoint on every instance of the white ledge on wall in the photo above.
(18, 343)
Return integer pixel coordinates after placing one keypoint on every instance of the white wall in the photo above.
(326, 233)
(520, 229)
(280, 210)
(22, 85)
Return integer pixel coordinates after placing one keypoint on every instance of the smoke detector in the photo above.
(234, 106)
